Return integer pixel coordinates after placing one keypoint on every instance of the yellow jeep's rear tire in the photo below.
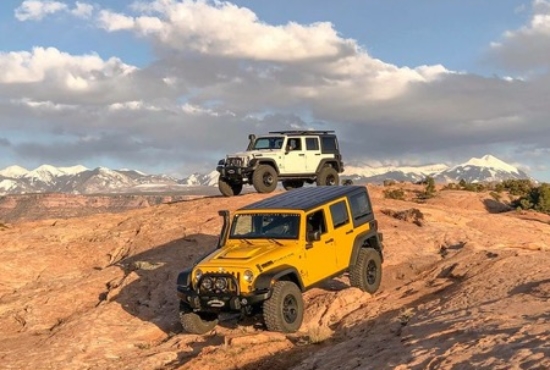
(366, 274)
(197, 323)
(284, 310)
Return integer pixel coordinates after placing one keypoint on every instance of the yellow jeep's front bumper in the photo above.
(215, 299)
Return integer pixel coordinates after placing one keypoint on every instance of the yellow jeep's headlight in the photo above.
(198, 274)
(248, 276)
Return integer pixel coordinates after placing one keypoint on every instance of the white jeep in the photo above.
(293, 157)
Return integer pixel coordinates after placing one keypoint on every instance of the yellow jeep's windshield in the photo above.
(265, 226)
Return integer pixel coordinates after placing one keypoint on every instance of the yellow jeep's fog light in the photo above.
(248, 276)
(207, 283)
(198, 274)
(220, 283)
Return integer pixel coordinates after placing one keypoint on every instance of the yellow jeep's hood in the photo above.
(244, 254)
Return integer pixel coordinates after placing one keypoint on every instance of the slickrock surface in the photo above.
(464, 288)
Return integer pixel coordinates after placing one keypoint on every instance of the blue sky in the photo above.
(171, 86)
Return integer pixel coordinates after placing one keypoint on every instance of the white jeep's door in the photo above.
(294, 159)
(313, 154)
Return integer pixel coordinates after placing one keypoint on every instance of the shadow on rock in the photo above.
(148, 288)
(493, 206)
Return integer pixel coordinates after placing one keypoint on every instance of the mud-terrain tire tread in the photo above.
(228, 189)
(258, 179)
(358, 272)
(325, 174)
(273, 308)
(292, 184)
(192, 322)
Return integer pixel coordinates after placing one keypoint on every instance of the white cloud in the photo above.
(527, 48)
(33, 10)
(49, 63)
(82, 10)
(114, 22)
(36, 10)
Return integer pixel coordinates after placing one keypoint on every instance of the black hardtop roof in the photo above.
(304, 198)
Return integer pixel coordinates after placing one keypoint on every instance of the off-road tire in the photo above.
(264, 179)
(366, 274)
(197, 323)
(284, 310)
(229, 189)
(328, 176)
(293, 184)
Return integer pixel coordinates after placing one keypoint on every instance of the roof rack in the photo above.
(302, 132)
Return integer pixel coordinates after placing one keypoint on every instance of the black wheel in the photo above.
(292, 184)
(197, 322)
(284, 310)
(366, 274)
(264, 179)
(229, 189)
(327, 177)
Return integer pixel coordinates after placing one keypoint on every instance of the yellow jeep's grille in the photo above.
(219, 283)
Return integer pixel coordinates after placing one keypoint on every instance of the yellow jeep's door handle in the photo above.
(329, 241)
(349, 232)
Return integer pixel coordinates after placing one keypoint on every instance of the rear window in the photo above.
(360, 208)
(328, 144)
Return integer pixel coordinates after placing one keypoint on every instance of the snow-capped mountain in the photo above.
(198, 179)
(485, 169)
(81, 180)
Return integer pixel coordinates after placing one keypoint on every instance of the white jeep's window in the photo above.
(268, 143)
(265, 226)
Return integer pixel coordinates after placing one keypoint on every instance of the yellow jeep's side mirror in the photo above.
(313, 236)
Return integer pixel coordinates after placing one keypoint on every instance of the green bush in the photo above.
(394, 194)
(389, 182)
(538, 199)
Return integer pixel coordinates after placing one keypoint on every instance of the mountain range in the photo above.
(81, 180)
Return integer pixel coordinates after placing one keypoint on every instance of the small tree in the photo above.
(429, 191)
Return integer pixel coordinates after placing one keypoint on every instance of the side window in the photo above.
(294, 143)
(360, 208)
(312, 143)
(339, 213)
(316, 222)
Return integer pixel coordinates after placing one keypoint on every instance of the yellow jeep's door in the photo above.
(342, 225)
(320, 254)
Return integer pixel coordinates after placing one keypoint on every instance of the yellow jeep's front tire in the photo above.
(284, 310)
(197, 322)
(366, 274)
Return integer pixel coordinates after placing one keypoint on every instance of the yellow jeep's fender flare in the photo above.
(266, 279)
(368, 239)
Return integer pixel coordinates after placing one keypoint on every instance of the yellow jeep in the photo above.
(271, 251)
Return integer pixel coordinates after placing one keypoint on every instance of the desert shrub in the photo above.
(394, 194)
(451, 186)
(347, 182)
(538, 199)
(389, 182)
(429, 190)
(476, 187)
(515, 187)
(496, 196)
